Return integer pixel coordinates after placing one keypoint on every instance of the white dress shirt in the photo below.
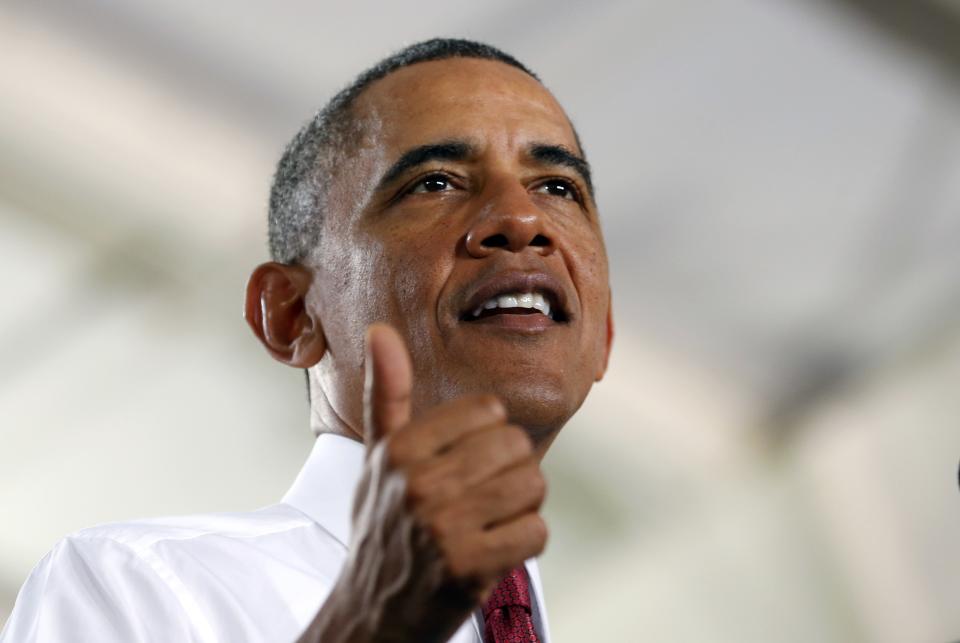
(257, 576)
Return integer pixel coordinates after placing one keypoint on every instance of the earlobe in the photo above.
(609, 342)
(276, 312)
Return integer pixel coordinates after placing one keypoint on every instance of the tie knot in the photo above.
(512, 591)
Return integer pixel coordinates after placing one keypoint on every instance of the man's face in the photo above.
(466, 194)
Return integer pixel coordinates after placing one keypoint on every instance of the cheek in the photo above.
(416, 264)
(587, 263)
(347, 292)
(417, 274)
(586, 260)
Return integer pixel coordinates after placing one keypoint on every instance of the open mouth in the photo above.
(538, 302)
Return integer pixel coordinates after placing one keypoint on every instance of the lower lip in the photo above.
(524, 323)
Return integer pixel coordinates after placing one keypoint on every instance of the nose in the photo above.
(508, 219)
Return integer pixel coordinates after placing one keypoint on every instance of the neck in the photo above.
(324, 419)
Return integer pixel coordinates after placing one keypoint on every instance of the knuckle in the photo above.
(538, 531)
(489, 548)
(418, 488)
(517, 440)
(461, 566)
(430, 487)
(537, 484)
(489, 405)
(502, 490)
(443, 526)
(525, 485)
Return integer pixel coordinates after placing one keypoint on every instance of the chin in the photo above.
(541, 404)
(540, 434)
(541, 411)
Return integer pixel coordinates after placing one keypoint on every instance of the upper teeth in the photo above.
(516, 300)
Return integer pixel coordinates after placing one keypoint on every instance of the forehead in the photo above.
(465, 98)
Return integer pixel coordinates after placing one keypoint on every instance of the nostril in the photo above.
(495, 241)
(539, 241)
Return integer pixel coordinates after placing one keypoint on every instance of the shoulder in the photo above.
(112, 581)
(142, 535)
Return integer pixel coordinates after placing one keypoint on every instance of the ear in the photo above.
(609, 341)
(277, 313)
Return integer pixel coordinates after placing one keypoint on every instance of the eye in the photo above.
(559, 188)
(431, 183)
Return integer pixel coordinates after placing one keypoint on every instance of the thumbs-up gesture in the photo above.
(447, 504)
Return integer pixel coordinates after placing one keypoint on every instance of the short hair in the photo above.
(305, 171)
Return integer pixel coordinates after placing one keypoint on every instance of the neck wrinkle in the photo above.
(325, 419)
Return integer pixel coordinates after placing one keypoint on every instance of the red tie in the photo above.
(506, 614)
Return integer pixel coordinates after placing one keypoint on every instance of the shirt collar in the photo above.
(325, 486)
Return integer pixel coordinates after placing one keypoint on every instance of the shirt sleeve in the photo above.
(96, 589)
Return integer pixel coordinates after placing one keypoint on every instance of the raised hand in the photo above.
(447, 504)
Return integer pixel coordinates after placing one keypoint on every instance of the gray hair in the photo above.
(301, 184)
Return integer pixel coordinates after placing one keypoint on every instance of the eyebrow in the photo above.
(562, 156)
(443, 151)
(461, 150)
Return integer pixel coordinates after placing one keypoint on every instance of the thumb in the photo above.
(388, 381)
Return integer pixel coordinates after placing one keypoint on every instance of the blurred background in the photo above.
(773, 454)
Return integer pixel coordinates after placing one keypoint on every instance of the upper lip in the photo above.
(514, 281)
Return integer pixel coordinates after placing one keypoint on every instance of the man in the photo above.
(440, 273)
